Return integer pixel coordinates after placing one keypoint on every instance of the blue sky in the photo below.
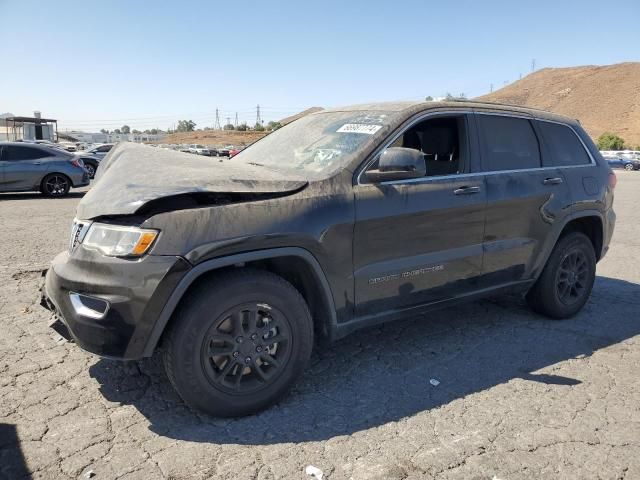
(95, 64)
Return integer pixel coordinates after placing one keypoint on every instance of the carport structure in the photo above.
(33, 128)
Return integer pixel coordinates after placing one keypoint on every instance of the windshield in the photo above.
(318, 144)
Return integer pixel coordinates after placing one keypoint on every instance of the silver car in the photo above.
(29, 167)
(101, 150)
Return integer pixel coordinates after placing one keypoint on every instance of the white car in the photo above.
(199, 149)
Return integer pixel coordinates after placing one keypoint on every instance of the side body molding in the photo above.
(216, 263)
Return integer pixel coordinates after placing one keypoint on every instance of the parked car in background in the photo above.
(68, 146)
(223, 151)
(343, 219)
(28, 167)
(198, 149)
(91, 162)
(100, 151)
(234, 151)
(618, 161)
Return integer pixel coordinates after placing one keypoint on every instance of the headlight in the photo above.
(116, 241)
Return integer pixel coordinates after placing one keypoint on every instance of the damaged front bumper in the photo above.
(108, 305)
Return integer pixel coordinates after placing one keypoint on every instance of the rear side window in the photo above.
(17, 153)
(565, 149)
(104, 148)
(508, 143)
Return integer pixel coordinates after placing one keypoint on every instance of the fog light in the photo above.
(87, 306)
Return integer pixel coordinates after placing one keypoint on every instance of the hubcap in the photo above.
(246, 348)
(572, 277)
(90, 170)
(56, 185)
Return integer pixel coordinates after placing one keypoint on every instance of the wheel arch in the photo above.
(590, 222)
(296, 265)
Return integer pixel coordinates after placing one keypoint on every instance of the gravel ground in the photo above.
(519, 396)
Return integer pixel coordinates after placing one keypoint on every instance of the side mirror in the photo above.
(398, 163)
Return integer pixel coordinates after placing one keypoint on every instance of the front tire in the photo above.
(238, 342)
(567, 279)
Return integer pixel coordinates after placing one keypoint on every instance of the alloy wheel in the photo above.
(246, 348)
(572, 277)
(56, 185)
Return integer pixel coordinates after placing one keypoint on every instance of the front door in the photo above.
(419, 241)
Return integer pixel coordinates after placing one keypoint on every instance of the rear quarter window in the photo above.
(508, 143)
(564, 147)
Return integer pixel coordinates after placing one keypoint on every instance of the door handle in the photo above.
(552, 181)
(466, 190)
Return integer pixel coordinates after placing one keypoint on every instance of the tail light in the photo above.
(613, 180)
(77, 163)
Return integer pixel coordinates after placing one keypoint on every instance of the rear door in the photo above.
(24, 167)
(524, 198)
(419, 241)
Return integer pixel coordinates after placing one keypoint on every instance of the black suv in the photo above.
(342, 219)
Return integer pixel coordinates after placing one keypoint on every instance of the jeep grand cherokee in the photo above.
(343, 219)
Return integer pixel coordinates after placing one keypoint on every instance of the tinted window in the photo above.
(104, 148)
(17, 153)
(508, 143)
(563, 144)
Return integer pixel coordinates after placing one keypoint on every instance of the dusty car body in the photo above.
(376, 217)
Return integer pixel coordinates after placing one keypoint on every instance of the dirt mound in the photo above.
(603, 98)
(217, 138)
(228, 137)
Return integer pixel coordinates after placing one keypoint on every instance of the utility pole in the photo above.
(217, 125)
(236, 124)
(228, 120)
(258, 119)
(533, 65)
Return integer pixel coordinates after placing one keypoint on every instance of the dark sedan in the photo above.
(622, 162)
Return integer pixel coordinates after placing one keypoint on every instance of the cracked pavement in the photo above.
(520, 396)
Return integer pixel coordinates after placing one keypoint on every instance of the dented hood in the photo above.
(132, 175)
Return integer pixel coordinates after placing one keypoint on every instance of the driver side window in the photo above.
(442, 141)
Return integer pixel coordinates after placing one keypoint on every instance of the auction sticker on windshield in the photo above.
(359, 128)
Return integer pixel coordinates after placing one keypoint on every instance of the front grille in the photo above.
(78, 231)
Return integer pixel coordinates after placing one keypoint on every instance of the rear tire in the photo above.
(629, 166)
(566, 280)
(55, 185)
(238, 343)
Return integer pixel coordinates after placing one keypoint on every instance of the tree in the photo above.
(429, 99)
(271, 126)
(229, 126)
(610, 141)
(117, 131)
(136, 131)
(126, 129)
(186, 126)
(102, 130)
(258, 127)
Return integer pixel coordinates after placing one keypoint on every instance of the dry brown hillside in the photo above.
(604, 99)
